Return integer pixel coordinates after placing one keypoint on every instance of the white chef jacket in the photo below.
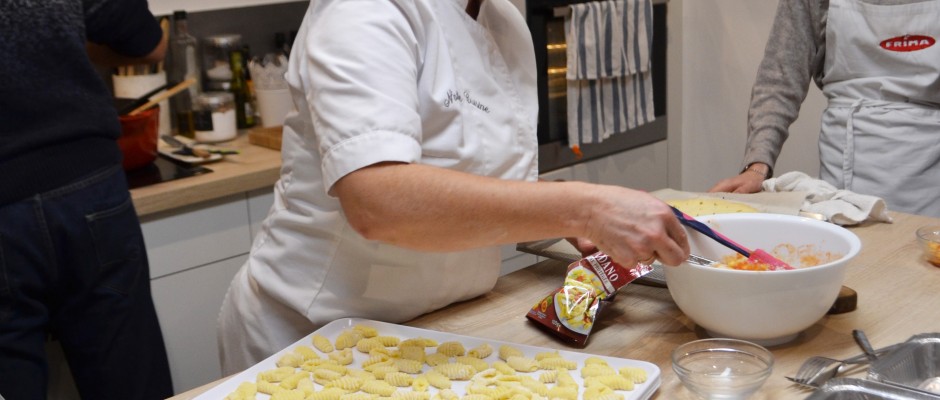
(881, 130)
(416, 81)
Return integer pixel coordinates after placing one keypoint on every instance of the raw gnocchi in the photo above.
(418, 368)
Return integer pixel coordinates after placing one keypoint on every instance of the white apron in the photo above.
(474, 110)
(881, 131)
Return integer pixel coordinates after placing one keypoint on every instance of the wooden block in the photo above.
(846, 302)
(266, 137)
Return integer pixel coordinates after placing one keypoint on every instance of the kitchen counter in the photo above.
(897, 298)
(255, 167)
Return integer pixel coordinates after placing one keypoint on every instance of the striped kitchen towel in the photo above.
(608, 72)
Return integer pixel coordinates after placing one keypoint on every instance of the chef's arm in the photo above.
(584, 245)
(106, 57)
(434, 209)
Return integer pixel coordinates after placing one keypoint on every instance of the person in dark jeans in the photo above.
(73, 264)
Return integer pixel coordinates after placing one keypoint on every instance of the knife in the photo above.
(188, 150)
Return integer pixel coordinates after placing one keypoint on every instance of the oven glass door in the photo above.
(546, 20)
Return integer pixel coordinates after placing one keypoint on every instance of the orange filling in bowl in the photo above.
(804, 256)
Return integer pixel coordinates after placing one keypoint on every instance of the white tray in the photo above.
(642, 391)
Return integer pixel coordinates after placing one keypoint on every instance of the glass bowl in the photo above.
(929, 237)
(722, 368)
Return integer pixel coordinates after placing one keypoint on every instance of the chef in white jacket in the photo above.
(878, 64)
(411, 157)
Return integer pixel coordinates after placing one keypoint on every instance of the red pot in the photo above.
(138, 139)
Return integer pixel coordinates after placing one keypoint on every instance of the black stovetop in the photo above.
(162, 170)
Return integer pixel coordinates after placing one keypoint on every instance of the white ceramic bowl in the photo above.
(766, 307)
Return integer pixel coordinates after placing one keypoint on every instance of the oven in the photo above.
(546, 20)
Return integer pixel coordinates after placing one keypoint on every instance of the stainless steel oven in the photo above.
(546, 19)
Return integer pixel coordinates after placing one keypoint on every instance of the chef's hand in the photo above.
(584, 246)
(633, 226)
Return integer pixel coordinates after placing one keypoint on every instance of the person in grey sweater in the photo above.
(877, 64)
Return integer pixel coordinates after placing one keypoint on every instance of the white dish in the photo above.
(171, 152)
(174, 152)
(642, 391)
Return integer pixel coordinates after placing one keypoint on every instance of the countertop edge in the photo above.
(254, 168)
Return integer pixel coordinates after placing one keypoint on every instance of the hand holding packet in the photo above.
(570, 311)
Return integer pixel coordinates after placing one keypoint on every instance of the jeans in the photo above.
(73, 265)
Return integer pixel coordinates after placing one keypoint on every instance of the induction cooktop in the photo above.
(162, 170)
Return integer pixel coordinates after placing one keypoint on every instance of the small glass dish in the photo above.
(929, 238)
(722, 368)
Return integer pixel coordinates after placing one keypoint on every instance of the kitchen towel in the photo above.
(841, 207)
(609, 83)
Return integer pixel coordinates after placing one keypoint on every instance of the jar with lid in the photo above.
(214, 117)
(215, 56)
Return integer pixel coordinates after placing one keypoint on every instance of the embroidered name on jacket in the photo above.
(454, 96)
(908, 43)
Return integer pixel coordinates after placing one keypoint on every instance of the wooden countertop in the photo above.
(255, 167)
(897, 298)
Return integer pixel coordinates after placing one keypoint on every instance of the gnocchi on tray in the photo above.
(351, 359)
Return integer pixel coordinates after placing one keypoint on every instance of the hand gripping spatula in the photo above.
(757, 255)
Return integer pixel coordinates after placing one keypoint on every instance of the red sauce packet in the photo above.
(570, 311)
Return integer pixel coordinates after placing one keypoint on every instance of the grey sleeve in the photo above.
(792, 59)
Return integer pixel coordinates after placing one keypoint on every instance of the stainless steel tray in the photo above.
(861, 389)
(915, 364)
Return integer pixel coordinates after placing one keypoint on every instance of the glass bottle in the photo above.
(184, 64)
(244, 114)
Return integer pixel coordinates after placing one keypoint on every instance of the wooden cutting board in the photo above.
(266, 137)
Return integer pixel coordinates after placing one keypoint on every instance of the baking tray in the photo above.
(561, 250)
(915, 364)
(642, 391)
(861, 389)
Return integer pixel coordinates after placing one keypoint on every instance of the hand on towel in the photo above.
(841, 207)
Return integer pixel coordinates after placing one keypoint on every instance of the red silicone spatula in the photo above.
(757, 255)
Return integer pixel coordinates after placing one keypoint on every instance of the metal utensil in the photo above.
(188, 150)
(699, 260)
(816, 370)
(756, 255)
(863, 342)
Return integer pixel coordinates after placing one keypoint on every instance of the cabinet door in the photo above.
(197, 235)
(188, 305)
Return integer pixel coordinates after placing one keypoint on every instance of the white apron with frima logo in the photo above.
(881, 131)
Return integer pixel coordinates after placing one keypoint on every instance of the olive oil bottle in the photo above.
(184, 65)
(244, 112)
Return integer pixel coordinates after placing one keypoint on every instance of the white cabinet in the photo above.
(197, 235)
(194, 252)
(188, 306)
